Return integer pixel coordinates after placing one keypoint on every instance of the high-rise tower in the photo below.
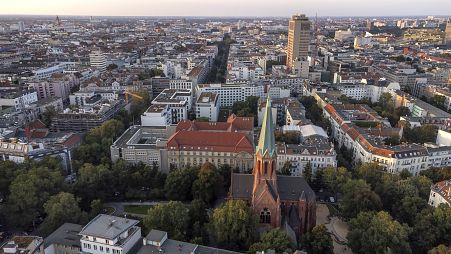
(298, 39)
(448, 32)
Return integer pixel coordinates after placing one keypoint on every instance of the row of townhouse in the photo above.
(367, 144)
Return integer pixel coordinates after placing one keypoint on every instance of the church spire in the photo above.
(266, 142)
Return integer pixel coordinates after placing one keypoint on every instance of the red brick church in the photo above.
(287, 202)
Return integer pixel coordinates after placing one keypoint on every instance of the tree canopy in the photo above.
(233, 225)
(172, 217)
(372, 232)
(274, 239)
(318, 241)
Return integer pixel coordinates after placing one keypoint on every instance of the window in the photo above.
(265, 216)
(107, 250)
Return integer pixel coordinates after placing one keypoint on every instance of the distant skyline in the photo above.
(212, 8)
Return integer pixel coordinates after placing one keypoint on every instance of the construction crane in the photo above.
(127, 93)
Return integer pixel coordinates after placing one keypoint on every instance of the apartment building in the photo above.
(157, 115)
(207, 106)
(440, 193)
(314, 148)
(107, 234)
(18, 100)
(178, 101)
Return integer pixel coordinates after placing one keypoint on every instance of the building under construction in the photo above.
(83, 120)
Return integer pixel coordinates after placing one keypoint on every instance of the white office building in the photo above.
(231, 93)
(98, 60)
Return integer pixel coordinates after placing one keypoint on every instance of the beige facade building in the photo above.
(298, 39)
(448, 32)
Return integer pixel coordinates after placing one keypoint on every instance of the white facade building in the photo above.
(46, 73)
(18, 100)
(207, 105)
(231, 93)
(98, 60)
(156, 115)
(178, 101)
(107, 234)
(440, 193)
(181, 84)
(279, 92)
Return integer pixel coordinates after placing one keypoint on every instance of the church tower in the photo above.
(265, 196)
(265, 154)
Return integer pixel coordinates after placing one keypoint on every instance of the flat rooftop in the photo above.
(107, 226)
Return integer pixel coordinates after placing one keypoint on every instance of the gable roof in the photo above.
(210, 141)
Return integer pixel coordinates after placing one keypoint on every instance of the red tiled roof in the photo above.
(208, 141)
(73, 140)
(233, 123)
(39, 133)
(37, 124)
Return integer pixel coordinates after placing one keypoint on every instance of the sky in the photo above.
(262, 8)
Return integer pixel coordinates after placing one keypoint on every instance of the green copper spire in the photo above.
(267, 142)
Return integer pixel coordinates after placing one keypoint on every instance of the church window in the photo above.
(265, 216)
(266, 167)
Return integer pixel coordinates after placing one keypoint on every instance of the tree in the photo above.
(274, 239)
(307, 172)
(391, 141)
(233, 225)
(432, 227)
(358, 197)
(372, 232)
(94, 182)
(285, 169)
(28, 193)
(318, 241)
(198, 217)
(441, 249)
(96, 146)
(420, 135)
(61, 208)
(371, 173)
(8, 172)
(179, 184)
(437, 174)
(172, 217)
(318, 180)
(96, 207)
(207, 186)
(409, 208)
(139, 106)
(47, 116)
(290, 137)
(226, 172)
(336, 178)
(111, 67)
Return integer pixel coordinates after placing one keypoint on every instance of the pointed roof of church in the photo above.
(266, 142)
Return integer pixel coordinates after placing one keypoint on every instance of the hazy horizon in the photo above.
(230, 8)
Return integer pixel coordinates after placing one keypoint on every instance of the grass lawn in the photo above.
(137, 209)
(108, 210)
